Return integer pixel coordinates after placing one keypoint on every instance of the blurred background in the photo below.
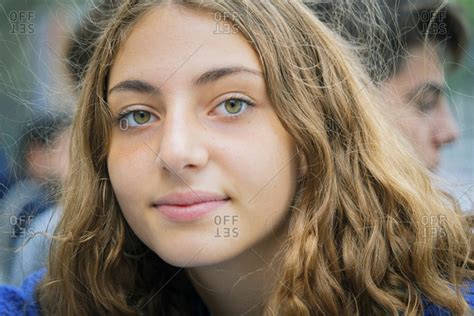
(36, 103)
(457, 165)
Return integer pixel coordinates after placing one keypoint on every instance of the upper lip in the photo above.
(189, 198)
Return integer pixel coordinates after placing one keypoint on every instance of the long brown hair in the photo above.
(369, 232)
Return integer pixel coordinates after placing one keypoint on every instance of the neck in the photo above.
(240, 285)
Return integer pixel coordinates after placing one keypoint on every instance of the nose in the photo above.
(182, 146)
(447, 128)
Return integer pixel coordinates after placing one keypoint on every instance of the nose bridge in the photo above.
(446, 125)
(177, 123)
(180, 143)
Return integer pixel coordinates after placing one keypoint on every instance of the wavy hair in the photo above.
(369, 233)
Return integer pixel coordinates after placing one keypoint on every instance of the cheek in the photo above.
(128, 166)
(418, 129)
(265, 174)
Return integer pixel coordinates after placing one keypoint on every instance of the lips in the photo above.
(187, 206)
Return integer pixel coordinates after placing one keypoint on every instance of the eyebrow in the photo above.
(207, 77)
(218, 73)
(134, 86)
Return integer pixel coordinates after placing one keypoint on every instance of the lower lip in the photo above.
(187, 213)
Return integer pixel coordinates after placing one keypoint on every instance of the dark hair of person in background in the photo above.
(86, 33)
(403, 24)
(41, 131)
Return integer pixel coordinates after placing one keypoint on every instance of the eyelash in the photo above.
(250, 103)
(426, 107)
(429, 102)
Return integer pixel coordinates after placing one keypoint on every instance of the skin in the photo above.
(419, 108)
(190, 142)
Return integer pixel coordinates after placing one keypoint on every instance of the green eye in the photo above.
(233, 106)
(135, 118)
(141, 117)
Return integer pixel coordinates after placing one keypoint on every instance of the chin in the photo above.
(196, 256)
(192, 260)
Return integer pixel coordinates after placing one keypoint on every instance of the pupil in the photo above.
(233, 105)
(141, 117)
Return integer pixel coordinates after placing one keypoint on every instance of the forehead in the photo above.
(421, 65)
(180, 42)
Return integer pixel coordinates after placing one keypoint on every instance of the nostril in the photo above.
(447, 132)
(452, 134)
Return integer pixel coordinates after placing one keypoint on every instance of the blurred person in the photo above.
(43, 163)
(29, 249)
(408, 62)
(39, 169)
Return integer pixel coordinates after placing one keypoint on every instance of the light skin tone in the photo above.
(419, 107)
(178, 72)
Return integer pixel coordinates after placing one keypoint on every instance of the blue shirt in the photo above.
(21, 301)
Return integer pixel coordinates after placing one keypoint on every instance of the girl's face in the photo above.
(178, 134)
